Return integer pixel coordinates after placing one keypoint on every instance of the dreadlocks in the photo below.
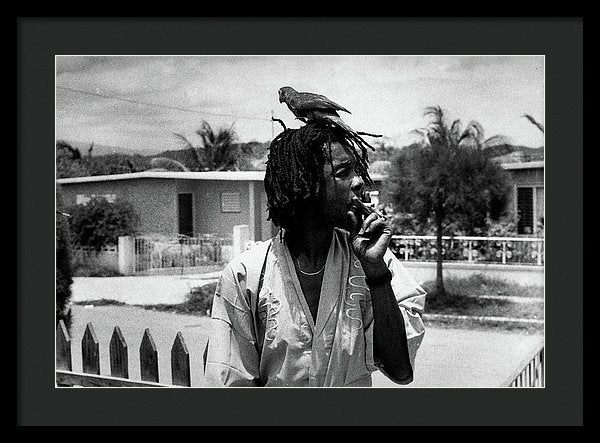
(295, 163)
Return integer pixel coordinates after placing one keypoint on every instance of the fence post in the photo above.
(180, 362)
(63, 348)
(504, 252)
(539, 252)
(127, 255)
(241, 234)
(148, 358)
(90, 350)
(470, 251)
(119, 365)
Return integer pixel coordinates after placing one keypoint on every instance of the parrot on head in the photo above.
(307, 106)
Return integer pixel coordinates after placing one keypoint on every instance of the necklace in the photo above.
(308, 273)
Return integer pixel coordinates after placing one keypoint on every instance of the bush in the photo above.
(100, 223)
(63, 267)
(94, 271)
(200, 298)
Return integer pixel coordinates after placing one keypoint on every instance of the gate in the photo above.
(155, 255)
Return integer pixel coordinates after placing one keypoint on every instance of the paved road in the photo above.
(447, 358)
(163, 289)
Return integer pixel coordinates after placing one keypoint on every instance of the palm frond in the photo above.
(496, 140)
(534, 122)
(476, 130)
(168, 163)
(183, 138)
(455, 130)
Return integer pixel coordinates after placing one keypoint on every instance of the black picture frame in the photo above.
(39, 40)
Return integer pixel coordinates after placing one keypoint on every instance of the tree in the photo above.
(217, 151)
(69, 162)
(448, 178)
(116, 163)
(99, 223)
(63, 264)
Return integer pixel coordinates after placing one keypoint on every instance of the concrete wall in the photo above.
(208, 217)
(154, 200)
(107, 259)
(527, 177)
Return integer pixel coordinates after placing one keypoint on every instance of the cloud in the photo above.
(385, 94)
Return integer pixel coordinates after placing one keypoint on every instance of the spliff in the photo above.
(363, 208)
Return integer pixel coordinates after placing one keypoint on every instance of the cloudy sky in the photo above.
(386, 95)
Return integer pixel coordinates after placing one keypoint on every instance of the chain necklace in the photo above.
(308, 273)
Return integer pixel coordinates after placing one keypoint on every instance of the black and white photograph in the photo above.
(300, 221)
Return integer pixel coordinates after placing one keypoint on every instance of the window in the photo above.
(230, 202)
(83, 199)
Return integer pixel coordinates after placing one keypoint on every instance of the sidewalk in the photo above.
(163, 289)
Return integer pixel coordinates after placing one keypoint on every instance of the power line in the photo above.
(139, 102)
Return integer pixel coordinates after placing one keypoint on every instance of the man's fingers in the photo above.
(353, 223)
(371, 224)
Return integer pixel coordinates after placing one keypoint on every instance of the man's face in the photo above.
(341, 184)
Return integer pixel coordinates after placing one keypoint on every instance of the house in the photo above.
(194, 203)
(527, 197)
(526, 176)
(189, 203)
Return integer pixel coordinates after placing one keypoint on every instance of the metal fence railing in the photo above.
(530, 373)
(500, 250)
(163, 253)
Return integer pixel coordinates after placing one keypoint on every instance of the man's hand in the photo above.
(370, 240)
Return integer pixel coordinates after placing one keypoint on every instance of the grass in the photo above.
(463, 297)
(100, 302)
(474, 323)
(198, 302)
(95, 271)
(479, 284)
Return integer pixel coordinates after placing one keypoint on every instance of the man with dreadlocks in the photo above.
(325, 302)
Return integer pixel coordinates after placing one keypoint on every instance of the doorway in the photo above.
(186, 215)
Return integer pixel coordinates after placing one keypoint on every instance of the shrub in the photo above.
(63, 267)
(99, 223)
(200, 298)
(95, 271)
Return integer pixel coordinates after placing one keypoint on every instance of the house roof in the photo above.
(524, 165)
(209, 175)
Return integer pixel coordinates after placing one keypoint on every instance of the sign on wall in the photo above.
(230, 202)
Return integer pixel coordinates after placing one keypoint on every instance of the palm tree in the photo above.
(217, 151)
(473, 134)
